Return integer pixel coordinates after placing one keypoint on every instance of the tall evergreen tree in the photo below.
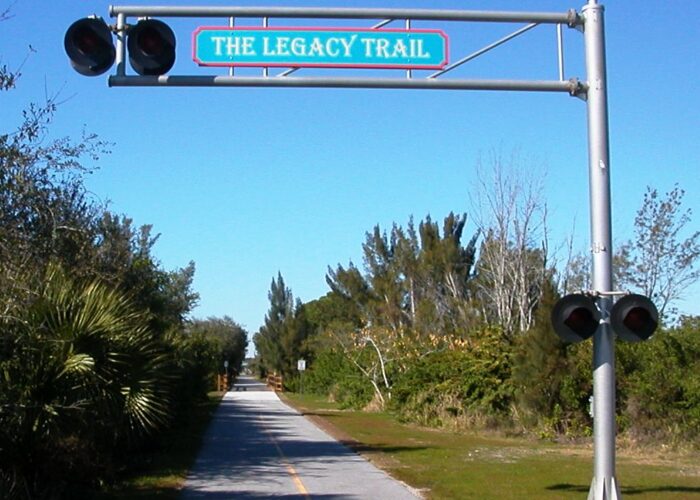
(268, 340)
(413, 278)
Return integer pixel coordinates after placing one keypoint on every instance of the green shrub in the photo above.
(471, 385)
(552, 381)
(82, 377)
(85, 382)
(659, 385)
(195, 358)
(332, 374)
(553, 384)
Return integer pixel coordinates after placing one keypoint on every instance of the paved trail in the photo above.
(258, 447)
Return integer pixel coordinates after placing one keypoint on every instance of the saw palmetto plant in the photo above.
(80, 372)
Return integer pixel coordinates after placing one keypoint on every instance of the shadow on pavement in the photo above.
(626, 490)
(251, 435)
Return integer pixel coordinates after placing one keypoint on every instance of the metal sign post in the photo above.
(294, 48)
(301, 367)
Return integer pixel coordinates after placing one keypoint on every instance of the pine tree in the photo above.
(268, 340)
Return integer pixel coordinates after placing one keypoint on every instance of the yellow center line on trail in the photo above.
(285, 461)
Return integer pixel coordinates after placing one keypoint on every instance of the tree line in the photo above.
(448, 324)
(98, 355)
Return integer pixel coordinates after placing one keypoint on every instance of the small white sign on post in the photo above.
(301, 365)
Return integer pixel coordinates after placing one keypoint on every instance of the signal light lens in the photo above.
(151, 45)
(86, 40)
(88, 43)
(150, 42)
(634, 318)
(575, 318)
(581, 319)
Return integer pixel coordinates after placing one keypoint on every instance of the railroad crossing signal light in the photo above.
(634, 318)
(88, 43)
(151, 45)
(575, 317)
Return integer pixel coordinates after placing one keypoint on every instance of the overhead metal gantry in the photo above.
(437, 80)
(593, 89)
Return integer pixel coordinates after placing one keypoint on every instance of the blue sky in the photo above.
(249, 182)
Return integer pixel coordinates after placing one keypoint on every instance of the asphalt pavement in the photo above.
(258, 447)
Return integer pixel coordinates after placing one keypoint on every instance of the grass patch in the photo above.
(160, 472)
(448, 465)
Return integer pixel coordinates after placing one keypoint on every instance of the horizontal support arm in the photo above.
(573, 86)
(570, 18)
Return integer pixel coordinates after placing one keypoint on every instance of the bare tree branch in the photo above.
(512, 215)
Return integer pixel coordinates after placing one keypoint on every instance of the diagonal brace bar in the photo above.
(486, 49)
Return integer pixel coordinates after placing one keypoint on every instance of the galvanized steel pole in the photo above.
(604, 485)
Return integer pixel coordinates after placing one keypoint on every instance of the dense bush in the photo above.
(82, 376)
(659, 385)
(334, 375)
(194, 357)
(552, 380)
(86, 382)
(469, 386)
(538, 383)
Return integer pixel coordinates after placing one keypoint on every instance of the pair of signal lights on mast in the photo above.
(150, 43)
(576, 317)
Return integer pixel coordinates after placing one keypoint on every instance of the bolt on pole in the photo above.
(604, 484)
